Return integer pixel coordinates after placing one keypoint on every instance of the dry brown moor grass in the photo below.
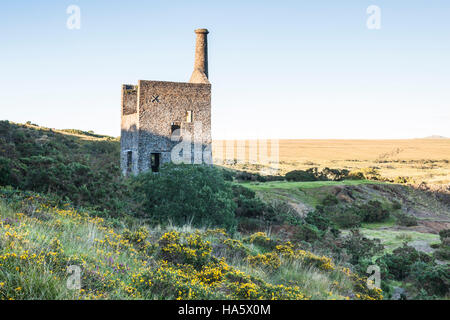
(420, 159)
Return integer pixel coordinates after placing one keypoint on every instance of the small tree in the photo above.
(183, 194)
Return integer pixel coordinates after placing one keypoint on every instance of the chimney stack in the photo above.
(200, 74)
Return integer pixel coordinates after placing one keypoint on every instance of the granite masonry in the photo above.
(168, 121)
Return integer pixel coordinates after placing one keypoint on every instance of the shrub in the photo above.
(314, 174)
(396, 205)
(321, 262)
(235, 248)
(138, 238)
(300, 175)
(251, 224)
(248, 205)
(360, 247)
(269, 178)
(347, 219)
(262, 240)
(228, 175)
(406, 220)
(183, 194)
(321, 221)
(248, 176)
(356, 175)
(334, 174)
(442, 253)
(5, 172)
(363, 291)
(280, 212)
(87, 173)
(330, 200)
(398, 264)
(444, 234)
(179, 249)
(240, 190)
(254, 213)
(308, 233)
(403, 180)
(373, 211)
(269, 261)
(443, 249)
(250, 210)
(434, 279)
(365, 173)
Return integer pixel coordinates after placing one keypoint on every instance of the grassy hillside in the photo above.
(37, 245)
(419, 219)
(78, 166)
(64, 203)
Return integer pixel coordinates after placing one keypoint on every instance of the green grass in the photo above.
(390, 222)
(259, 186)
(310, 193)
(393, 239)
(318, 285)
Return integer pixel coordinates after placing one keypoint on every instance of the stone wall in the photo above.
(129, 129)
(162, 103)
(129, 99)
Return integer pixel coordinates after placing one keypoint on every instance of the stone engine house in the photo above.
(157, 116)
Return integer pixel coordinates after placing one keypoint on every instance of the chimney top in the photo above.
(204, 31)
(200, 74)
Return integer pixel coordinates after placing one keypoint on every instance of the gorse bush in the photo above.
(406, 220)
(314, 174)
(184, 194)
(373, 211)
(146, 263)
(262, 240)
(360, 248)
(347, 219)
(249, 176)
(403, 180)
(254, 214)
(444, 234)
(180, 249)
(248, 205)
(351, 216)
(398, 264)
(322, 221)
(301, 175)
(434, 279)
(365, 173)
(443, 249)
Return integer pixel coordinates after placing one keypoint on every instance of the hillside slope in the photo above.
(64, 202)
(74, 165)
(39, 241)
(430, 205)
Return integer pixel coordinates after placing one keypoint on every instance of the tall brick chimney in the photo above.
(200, 74)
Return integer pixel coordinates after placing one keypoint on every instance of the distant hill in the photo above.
(436, 137)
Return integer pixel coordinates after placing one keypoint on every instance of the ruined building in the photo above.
(159, 118)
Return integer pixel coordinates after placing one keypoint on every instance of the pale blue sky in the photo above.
(279, 69)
